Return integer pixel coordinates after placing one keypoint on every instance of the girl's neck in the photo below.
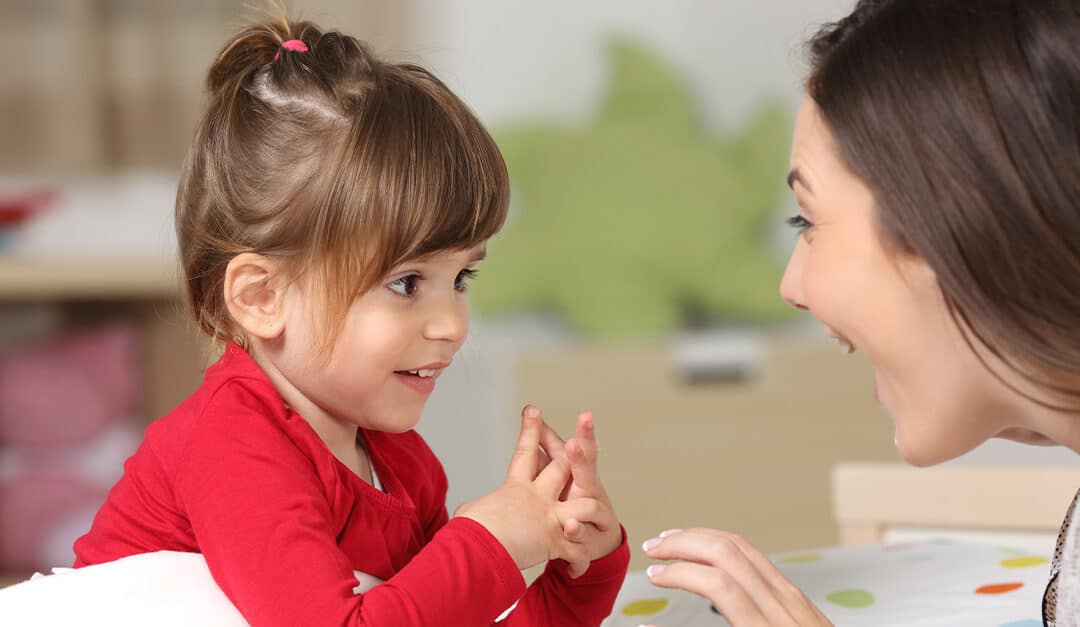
(342, 438)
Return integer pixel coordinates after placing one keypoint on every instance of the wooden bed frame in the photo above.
(868, 499)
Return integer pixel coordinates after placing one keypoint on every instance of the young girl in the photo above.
(331, 213)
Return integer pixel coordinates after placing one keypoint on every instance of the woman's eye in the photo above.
(464, 278)
(405, 286)
(800, 224)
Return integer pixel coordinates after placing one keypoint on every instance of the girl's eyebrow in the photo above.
(479, 256)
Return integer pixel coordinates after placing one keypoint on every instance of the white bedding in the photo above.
(915, 585)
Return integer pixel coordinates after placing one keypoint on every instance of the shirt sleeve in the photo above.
(556, 599)
(263, 521)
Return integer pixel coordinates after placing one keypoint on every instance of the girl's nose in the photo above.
(449, 321)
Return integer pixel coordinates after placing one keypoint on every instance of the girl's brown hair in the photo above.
(332, 161)
(963, 118)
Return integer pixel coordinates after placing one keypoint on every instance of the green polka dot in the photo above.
(851, 598)
(802, 559)
(1024, 562)
(645, 607)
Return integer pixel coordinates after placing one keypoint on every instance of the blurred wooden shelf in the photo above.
(145, 290)
(72, 279)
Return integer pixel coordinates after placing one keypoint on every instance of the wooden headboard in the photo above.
(869, 498)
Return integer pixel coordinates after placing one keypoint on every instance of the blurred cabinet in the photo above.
(753, 456)
(173, 354)
(44, 300)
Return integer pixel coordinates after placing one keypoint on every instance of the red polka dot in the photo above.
(999, 588)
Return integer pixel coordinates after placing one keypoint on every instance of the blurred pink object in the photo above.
(68, 389)
(40, 511)
(16, 208)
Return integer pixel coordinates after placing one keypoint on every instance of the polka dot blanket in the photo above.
(914, 585)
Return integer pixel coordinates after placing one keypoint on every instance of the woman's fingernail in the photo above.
(532, 412)
(655, 570)
(670, 532)
(650, 544)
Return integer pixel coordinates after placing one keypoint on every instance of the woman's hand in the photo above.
(743, 585)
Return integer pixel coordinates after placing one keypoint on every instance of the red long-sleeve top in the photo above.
(234, 474)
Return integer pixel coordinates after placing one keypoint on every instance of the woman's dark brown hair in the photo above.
(963, 118)
(333, 161)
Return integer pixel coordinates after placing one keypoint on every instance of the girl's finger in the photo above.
(577, 556)
(573, 530)
(550, 441)
(586, 434)
(586, 474)
(586, 510)
(523, 463)
(553, 478)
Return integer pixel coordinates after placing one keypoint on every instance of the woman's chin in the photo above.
(924, 452)
(1026, 436)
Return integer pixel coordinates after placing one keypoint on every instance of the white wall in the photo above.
(510, 59)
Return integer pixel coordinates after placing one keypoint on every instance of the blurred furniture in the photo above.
(751, 454)
(874, 501)
(72, 294)
(118, 83)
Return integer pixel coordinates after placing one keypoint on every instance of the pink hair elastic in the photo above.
(293, 44)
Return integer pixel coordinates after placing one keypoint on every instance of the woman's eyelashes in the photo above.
(800, 224)
(409, 284)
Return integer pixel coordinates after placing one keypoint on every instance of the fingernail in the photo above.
(532, 412)
(670, 532)
(650, 544)
(655, 570)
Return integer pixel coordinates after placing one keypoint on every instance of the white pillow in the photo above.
(165, 589)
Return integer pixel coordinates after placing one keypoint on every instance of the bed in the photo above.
(950, 546)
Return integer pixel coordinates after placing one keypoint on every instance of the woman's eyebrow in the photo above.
(796, 177)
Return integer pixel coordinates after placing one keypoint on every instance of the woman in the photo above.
(936, 163)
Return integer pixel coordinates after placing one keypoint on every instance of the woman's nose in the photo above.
(791, 285)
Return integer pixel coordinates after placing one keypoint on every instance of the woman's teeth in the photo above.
(422, 373)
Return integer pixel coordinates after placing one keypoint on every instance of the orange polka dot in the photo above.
(999, 588)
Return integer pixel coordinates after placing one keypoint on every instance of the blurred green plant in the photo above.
(641, 221)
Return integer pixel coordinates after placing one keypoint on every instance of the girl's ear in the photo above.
(254, 294)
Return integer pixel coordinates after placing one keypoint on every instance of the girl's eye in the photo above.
(464, 277)
(800, 224)
(406, 285)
